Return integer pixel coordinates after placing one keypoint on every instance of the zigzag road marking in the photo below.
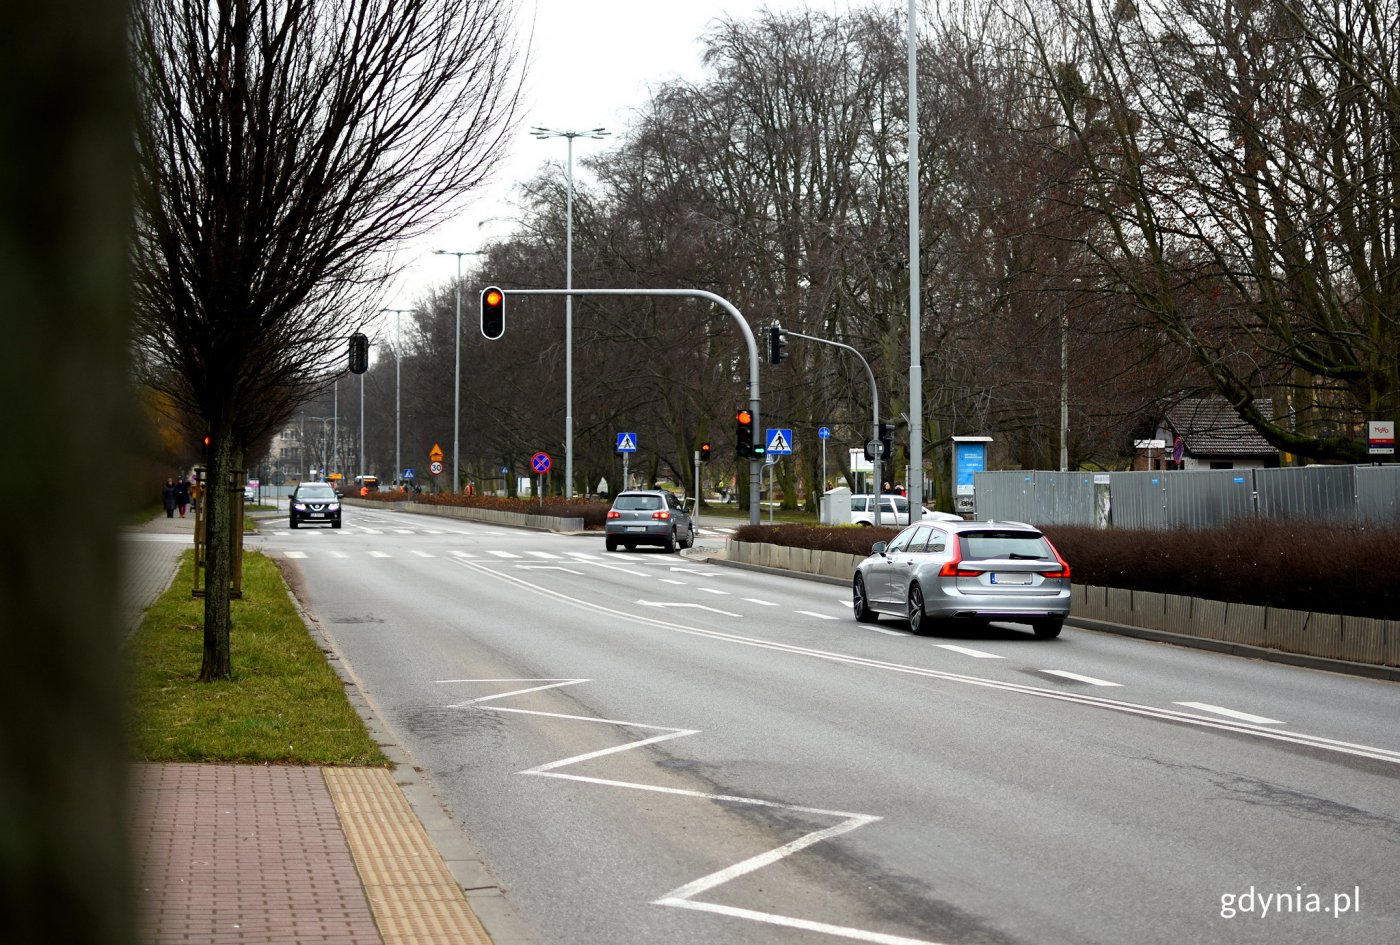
(685, 897)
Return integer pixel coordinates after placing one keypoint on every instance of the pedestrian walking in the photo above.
(182, 496)
(168, 494)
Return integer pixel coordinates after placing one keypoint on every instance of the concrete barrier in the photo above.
(1354, 640)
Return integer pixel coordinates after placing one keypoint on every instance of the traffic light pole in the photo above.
(875, 409)
(754, 465)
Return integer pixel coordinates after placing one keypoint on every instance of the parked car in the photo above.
(250, 493)
(648, 517)
(315, 502)
(894, 510)
(941, 572)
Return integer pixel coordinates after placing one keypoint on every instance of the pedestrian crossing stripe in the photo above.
(779, 441)
(627, 443)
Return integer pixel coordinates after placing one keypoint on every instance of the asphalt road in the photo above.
(650, 749)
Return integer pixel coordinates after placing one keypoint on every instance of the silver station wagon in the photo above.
(648, 517)
(936, 573)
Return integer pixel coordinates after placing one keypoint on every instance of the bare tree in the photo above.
(283, 146)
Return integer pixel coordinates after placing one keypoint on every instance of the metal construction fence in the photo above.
(1196, 498)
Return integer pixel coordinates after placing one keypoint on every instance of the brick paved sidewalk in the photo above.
(264, 855)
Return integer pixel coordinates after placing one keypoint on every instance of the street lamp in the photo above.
(398, 354)
(543, 133)
(916, 368)
(457, 372)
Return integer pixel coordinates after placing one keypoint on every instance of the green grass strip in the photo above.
(284, 704)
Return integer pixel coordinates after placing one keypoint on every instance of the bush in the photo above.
(1325, 568)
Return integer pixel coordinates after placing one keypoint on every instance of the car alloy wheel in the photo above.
(918, 620)
(861, 603)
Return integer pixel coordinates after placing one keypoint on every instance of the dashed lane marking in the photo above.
(813, 613)
(968, 651)
(765, 603)
(1230, 713)
(1066, 674)
(503, 554)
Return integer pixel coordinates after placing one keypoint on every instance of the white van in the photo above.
(894, 511)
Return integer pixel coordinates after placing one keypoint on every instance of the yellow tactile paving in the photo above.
(412, 894)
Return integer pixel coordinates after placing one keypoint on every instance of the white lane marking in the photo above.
(553, 684)
(423, 554)
(714, 590)
(402, 531)
(548, 567)
(683, 897)
(503, 554)
(659, 603)
(580, 554)
(813, 613)
(463, 554)
(613, 567)
(707, 572)
(765, 603)
(669, 581)
(371, 531)
(1040, 692)
(339, 554)
(429, 531)
(296, 554)
(968, 651)
(543, 554)
(1232, 713)
(1078, 678)
(888, 633)
(379, 554)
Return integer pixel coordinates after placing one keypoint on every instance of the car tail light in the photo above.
(1063, 570)
(663, 515)
(614, 513)
(951, 569)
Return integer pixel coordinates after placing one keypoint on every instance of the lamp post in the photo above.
(542, 134)
(457, 371)
(916, 369)
(398, 356)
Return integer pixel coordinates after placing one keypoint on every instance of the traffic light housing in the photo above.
(743, 433)
(777, 344)
(493, 313)
(704, 452)
(359, 353)
(886, 439)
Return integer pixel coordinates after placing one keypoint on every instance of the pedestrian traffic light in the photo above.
(704, 452)
(359, 353)
(777, 343)
(886, 438)
(493, 312)
(743, 433)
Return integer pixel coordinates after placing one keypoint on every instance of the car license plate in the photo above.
(318, 514)
(636, 528)
(1010, 578)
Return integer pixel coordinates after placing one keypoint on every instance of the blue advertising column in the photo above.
(969, 458)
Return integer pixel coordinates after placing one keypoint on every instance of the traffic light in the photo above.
(743, 433)
(704, 452)
(777, 342)
(493, 313)
(359, 353)
(886, 438)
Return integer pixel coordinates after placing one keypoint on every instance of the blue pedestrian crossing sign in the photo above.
(627, 442)
(778, 441)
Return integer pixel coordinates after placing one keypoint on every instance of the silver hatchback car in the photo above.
(973, 571)
(648, 517)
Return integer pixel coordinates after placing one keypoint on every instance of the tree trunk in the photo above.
(218, 571)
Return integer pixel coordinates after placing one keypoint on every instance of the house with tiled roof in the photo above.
(1212, 436)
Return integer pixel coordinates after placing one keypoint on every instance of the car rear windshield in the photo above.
(1028, 546)
(315, 492)
(627, 503)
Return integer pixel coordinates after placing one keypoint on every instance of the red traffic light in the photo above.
(493, 297)
(744, 416)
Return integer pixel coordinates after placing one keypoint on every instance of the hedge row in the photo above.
(1325, 568)
(593, 512)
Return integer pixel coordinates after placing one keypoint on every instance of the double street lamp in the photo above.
(398, 356)
(457, 371)
(543, 133)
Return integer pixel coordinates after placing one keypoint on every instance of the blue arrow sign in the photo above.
(778, 441)
(627, 442)
(824, 432)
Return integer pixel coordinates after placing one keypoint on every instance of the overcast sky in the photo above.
(592, 64)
